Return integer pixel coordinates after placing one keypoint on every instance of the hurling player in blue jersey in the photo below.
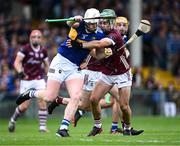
(64, 68)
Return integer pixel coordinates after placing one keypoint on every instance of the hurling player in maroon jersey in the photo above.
(90, 78)
(28, 64)
(116, 71)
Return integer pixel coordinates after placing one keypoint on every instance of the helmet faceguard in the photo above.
(91, 13)
(108, 15)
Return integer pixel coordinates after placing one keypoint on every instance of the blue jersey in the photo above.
(79, 34)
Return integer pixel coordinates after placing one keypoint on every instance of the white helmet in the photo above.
(92, 13)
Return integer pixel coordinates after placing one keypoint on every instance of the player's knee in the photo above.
(23, 107)
(93, 99)
(76, 96)
(124, 108)
(50, 97)
(86, 107)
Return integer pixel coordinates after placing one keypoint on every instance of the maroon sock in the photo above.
(59, 100)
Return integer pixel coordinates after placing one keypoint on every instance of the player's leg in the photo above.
(126, 112)
(90, 78)
(124, 94)
(74, 85)
(101, 88)
(85, 100)
(110, 102)
(17, 113)
(24, 85)
(58, 101)
(116, 111)
(124, 83)
(42, 114)
(84, 105)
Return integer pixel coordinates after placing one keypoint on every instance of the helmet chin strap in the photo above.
(88, 31)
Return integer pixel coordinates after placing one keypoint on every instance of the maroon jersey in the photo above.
(32, 62)
(117, 63)
(94, 65)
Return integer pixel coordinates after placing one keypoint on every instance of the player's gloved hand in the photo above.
(21, 75)
(78, 18)
(74, 44)
(108, 52)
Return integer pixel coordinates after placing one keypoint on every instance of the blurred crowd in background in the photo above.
(161, 47)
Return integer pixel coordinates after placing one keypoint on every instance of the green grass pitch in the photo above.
(159, 131)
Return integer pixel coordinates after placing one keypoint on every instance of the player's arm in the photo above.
(75, 23)
(98, 44)
(102, 50)
(18, 65)
(46, 64)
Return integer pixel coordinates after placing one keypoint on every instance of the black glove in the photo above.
(21, 75)
(76, 44)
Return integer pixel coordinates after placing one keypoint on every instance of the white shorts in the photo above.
(123, 80)
(90, 79)
(61, 69)
(37, 84)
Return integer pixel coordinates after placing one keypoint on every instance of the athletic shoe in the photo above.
(132, 132)
(95, 131)
(117, 131)
(24, 96)
(78, 115)
(62, 133)
(11, 126)
(52, 106)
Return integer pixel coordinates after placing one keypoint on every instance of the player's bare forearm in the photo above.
(46, 63)
(91, 45)
(98, 44)
(18, 64)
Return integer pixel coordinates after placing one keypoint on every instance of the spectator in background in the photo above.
(7, 84)
(159, 45)
(170, 105)
(173, 48)
(150, 82)
(138, 78)
(157, 99)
